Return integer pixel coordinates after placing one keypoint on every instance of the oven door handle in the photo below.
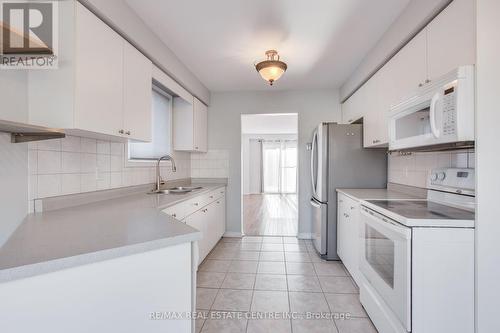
(378, 220)
(432, 115)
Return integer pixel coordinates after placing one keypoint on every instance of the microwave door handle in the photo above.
(432, 115)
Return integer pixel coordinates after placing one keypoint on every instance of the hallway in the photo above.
(270, 214)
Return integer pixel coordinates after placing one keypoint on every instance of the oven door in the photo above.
(385, 262)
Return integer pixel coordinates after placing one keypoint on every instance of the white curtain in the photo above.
(254, 166)
(279, 166)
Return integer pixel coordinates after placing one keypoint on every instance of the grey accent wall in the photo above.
(224, 131)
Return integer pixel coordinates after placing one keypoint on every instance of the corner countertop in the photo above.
(376, 194)
(59, 239)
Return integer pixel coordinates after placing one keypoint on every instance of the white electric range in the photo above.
(417, 258)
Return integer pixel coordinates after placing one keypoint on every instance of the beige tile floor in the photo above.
(245, 277)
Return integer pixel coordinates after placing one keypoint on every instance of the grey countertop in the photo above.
(73, 236)
(376, 194)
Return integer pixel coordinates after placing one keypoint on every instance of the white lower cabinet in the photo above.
(348, 233)
(207, 213)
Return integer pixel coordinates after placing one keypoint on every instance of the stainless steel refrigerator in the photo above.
(338, 160)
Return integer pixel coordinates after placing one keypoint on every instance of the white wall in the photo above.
(488, 160)
(127, 22)
(13, 185)
(269, 123)
(251, 164)
(224, 131)
(411, 20)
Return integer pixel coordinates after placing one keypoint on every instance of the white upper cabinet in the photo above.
(98, 74)
(352, 109)
(190, 125)
(200, 135)
(451, 38)
(377, 104)
(137, 96)
(408, 69)
(445, 44)
(103, 86)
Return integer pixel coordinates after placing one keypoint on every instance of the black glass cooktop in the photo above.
(423, 209)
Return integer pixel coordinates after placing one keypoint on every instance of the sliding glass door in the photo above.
(279, 166)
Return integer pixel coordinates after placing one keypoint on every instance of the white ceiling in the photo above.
(322, 41)
(284, 123)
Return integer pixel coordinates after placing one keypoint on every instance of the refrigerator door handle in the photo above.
(313, 156)
(314, 203)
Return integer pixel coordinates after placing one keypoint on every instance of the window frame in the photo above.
(138, 163)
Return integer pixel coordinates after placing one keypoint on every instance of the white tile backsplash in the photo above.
(88, 145)
(49, 162)
(70, 183)
(103, 163)
(48, 185)
(76, 164)
(413, 169)
(71, 144)
(70, 162)
(213, 164)
(88, 162)
(103, 147)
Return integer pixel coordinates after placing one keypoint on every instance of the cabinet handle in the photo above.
(420, 85)
(174, 215)
(218, 202)
(427, 81)
(196, 148)
(196, 204)
(127, 132)
(211, 197)
(221, 192)
(121, 131)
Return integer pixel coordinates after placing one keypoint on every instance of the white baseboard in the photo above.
(304, 235)
(232, 234)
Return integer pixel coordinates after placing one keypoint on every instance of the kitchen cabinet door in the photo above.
(137, 94)
(375, 120)
(342, 238)
(352, 211)
(190, 125)
(353, 108)
(408, 68)
(99, 75)
(200, 125)
(221, 217)
(451, 38)
(198, 221)
(347, 233)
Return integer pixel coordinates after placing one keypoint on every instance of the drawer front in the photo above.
(177, 211)
(190, 206)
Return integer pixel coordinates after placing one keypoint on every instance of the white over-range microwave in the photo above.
(440, 113)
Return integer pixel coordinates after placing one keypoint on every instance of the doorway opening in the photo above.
(269, 171)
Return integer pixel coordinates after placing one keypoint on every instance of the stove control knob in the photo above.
(434, 176)
(441, 176)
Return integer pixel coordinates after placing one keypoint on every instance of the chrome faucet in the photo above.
(158, 175)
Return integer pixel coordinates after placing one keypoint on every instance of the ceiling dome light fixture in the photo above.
(272, 68)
